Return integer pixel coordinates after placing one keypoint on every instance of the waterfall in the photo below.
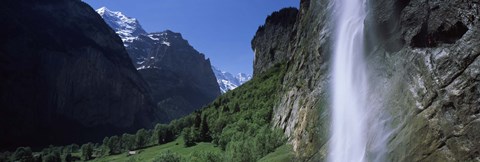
(349, 113)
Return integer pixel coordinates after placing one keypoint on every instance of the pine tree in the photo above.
(205, 130)
(87, 151)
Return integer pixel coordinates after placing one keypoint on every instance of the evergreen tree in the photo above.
(69, 157)
(205, 130)
(128, 142)
(141, 138)
(198, 120)
(113, 145)
(87, 151)
(53, 157)
(188, 137)
(23, 154)
(236, 108)
(160, 133)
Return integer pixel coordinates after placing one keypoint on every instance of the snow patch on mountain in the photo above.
(227, 81)
(161, 37)
(126, 27)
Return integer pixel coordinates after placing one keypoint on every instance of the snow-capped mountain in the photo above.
(180, 78)
(140, 45)
(126, 27)
(228, 81)
(149, 50)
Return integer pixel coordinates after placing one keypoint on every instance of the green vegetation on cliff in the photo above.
(239, 121)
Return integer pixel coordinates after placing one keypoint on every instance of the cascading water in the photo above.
(349, 117)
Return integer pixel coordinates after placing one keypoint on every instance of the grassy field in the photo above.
(148, 154)
(281, 154)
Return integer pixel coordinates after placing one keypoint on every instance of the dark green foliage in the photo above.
(69, 158)
(23, 154)
(239, 121)
(128, 142)
(178, 124)
(205, 130)
(202, 156)
(5, 156)
(168, 157)
(114, 145)
(87, 151)
(199, 132)
(161, 133)
(198, 120)
(190, 136)
(70, 149)
(52, 157)
(141, 138)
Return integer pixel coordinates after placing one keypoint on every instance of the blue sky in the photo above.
(221, 29)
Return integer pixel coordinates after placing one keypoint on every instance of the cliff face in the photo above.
(434, 46)
(302, 109)
(269, 43)
(424, 67)
(66, 76)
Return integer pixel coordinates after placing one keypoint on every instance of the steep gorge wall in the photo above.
(424, 69)
(270, 43)
(430, 55)
(302, 112)
(65, 76)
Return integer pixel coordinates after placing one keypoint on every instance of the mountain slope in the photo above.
(228, 81)
(66, 77)
(180, 78)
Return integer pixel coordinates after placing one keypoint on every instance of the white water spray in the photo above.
(349, 115)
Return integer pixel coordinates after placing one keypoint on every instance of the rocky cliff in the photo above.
(423, 60)
(269, 43)
(65, 76)
(434, 46)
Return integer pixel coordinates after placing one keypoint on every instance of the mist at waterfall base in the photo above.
(358, 123)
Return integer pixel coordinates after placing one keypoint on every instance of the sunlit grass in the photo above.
(149, 154)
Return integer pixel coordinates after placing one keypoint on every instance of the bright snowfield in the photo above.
(127, 28)
(228, 81)
(349, 133)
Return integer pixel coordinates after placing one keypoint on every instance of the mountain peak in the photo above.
(102, 10)
(227, 81)
(126, 27)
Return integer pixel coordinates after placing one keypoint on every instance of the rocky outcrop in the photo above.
(65, 76)
(270, 43)
(423, 60)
